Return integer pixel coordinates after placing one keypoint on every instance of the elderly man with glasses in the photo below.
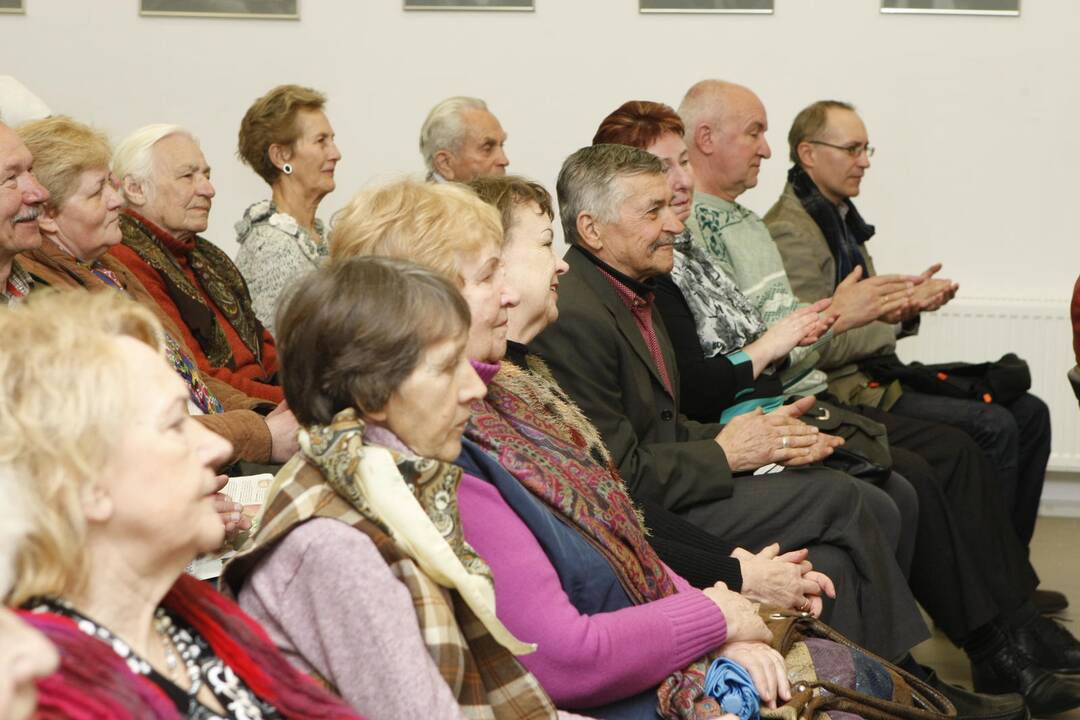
(822, 239)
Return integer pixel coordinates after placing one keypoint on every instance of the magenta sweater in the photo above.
(582, 660)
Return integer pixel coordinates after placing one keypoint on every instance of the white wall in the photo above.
(974, 117)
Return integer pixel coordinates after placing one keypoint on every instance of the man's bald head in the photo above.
(725, 134)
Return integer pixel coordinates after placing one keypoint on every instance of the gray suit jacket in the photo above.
(599, 358)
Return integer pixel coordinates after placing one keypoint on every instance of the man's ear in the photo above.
(442, 163)
(47, 221)
(134, 191)
(588, 230)
(97, 503)
(805, 151)
(703, 138)
(279, 154)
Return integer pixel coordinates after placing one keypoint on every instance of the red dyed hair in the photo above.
(639, 123)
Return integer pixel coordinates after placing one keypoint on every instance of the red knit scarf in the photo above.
(95, 682)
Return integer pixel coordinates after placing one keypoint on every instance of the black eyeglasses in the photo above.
(852, 150)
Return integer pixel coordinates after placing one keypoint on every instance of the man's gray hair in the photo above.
(587, 183)
(443, 128)
(134, 156)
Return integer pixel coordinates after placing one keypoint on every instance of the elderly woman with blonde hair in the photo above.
(287, 140)
(359, 569)
(118, 481)
(613, 625)
(79, 224)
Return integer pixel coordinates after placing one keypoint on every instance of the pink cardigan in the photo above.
(582, 660)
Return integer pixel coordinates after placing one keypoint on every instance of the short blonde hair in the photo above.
(431, 224)
(63, 405)
(271, 120)
(63, 150)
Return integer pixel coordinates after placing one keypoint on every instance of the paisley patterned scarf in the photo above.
(542, 439)
(219, 278)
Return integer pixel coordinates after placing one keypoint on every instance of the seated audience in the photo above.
(609, 352)
(367, 511)
(21, 200)
(602, 647)
(971, 584)
(287, 140)
(822, 238)
(79, 224)
(461, 140)
(119, 482)
(166, 185)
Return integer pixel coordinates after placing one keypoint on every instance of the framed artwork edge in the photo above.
(467, 8)
(21, 10)
(221, 15)
(704, 11)
(949, 11)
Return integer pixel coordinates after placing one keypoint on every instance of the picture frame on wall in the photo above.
(1009, 8)
(746, 7)
(13, 7)
(249, 9)
(499, 5)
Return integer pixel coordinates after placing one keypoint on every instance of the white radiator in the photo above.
(979, 329)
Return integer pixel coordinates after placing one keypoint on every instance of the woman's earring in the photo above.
(287, 169)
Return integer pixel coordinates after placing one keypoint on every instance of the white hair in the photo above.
(134, 156)
(443, 129)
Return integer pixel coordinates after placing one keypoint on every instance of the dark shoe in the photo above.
(1049, 602)
(1049, 644)
(1010, 670)
(970, 706)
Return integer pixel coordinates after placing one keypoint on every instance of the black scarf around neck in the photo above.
(845, 235)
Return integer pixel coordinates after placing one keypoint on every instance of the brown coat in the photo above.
(239, 424)
(811, 269)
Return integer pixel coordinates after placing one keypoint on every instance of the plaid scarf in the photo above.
(332, 477)
(218, 276)
(843, 233)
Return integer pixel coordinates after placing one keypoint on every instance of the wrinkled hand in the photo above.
(283, 428)
(766, 668)
(741, 615)
(856, 303)
(822, 448)
(802, 327)
(755, 439)
(787, 581)
(232, 513)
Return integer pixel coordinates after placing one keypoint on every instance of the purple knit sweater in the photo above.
(582, 660)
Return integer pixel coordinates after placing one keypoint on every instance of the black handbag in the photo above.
(1001, 381)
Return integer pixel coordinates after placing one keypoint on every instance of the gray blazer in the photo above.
(597, 354)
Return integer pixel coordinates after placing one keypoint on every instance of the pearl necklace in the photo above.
(170, 639)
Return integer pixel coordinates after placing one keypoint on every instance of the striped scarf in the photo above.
(331, 478)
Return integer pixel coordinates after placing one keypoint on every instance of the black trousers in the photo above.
(968, 566)
(831, 514)
(1015, 437)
